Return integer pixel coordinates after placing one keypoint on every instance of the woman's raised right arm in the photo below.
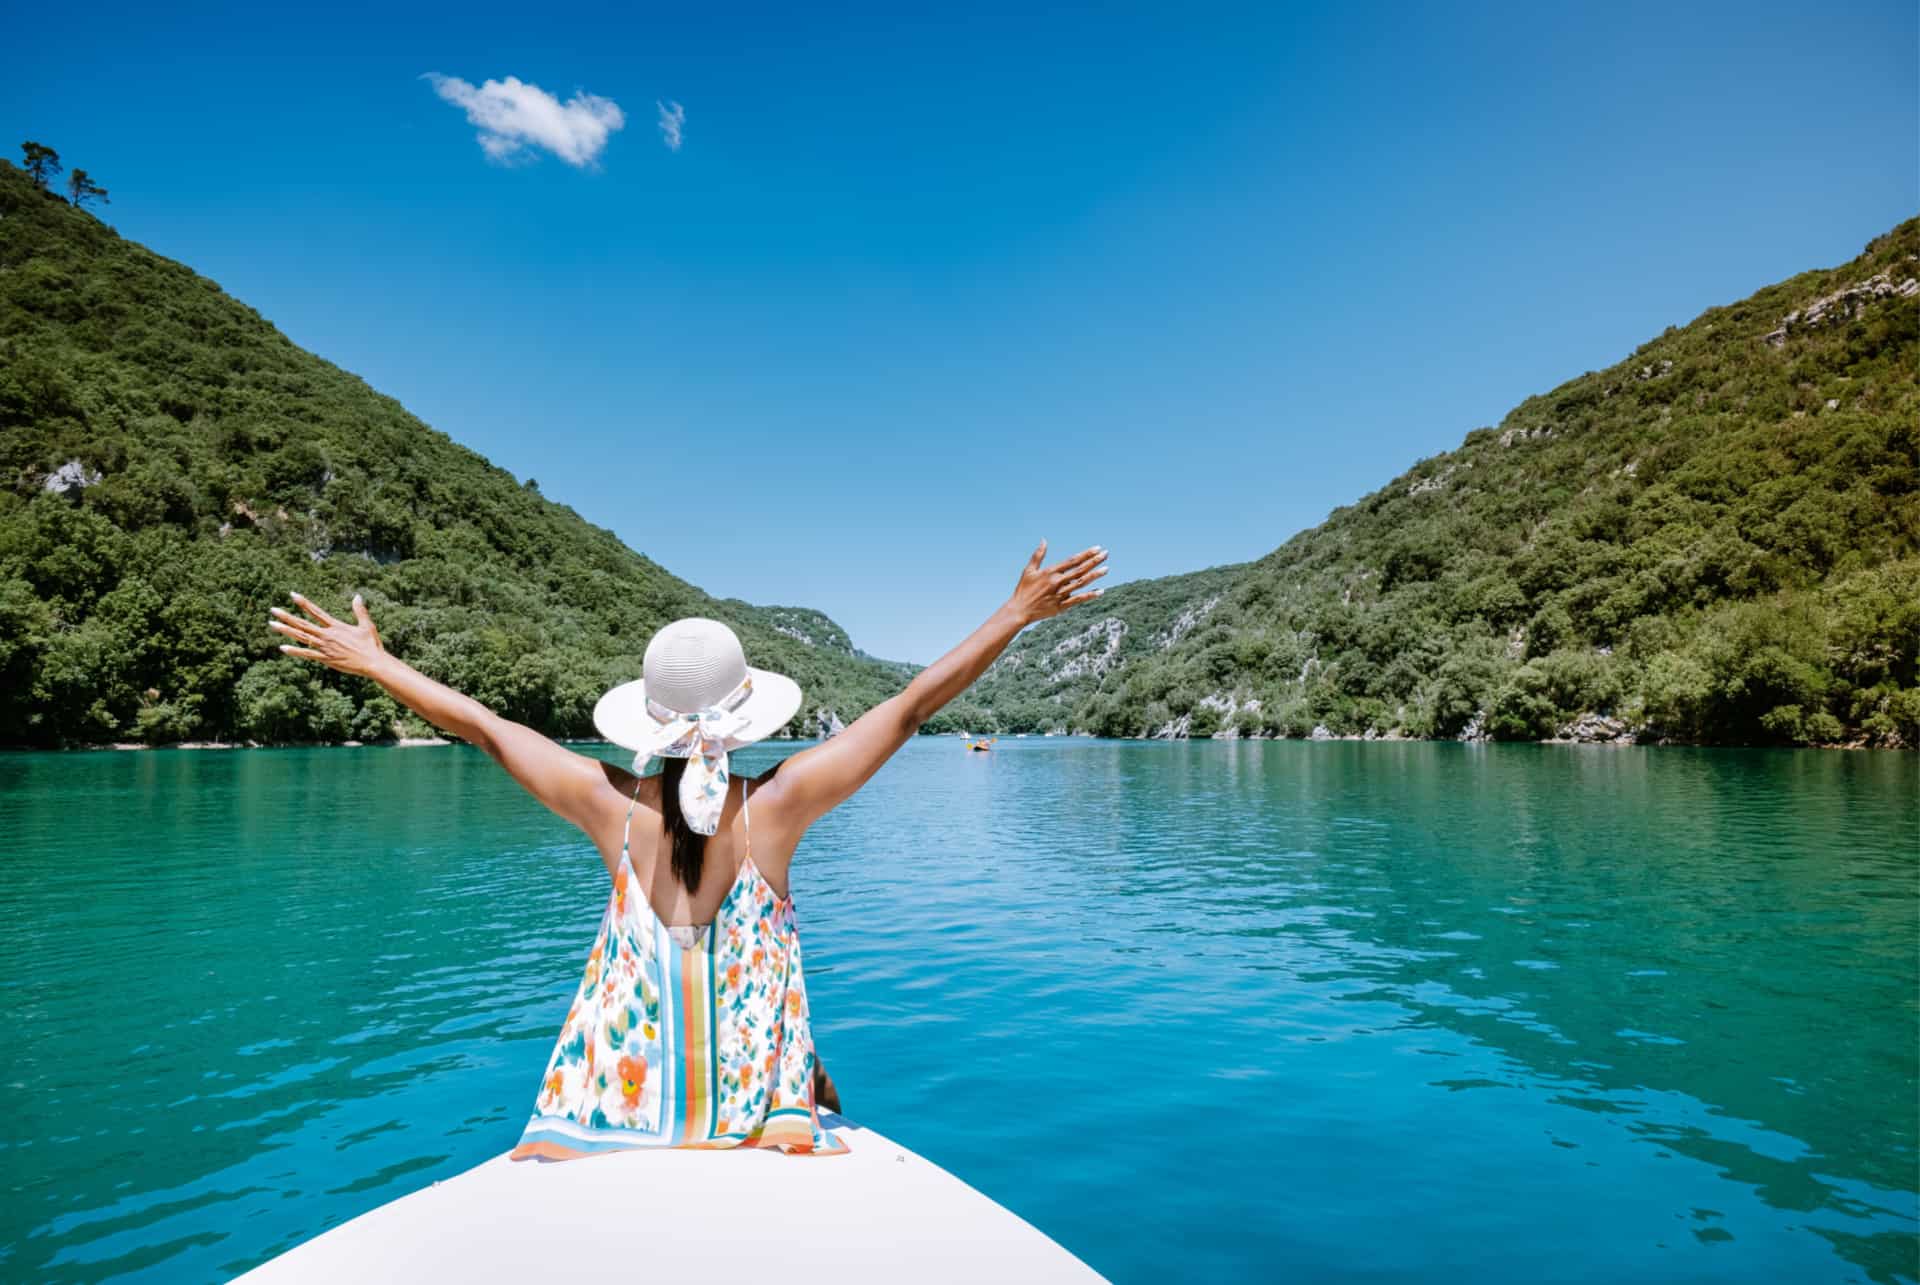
(572, 785)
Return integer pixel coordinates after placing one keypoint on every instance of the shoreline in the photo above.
(422, 742)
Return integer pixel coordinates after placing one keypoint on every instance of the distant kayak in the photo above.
(880, 1212)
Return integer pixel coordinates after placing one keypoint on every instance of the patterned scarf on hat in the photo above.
(701, 738)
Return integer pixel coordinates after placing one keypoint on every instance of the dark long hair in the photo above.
(689, 848)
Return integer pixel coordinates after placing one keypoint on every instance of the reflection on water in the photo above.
(1323, 1012)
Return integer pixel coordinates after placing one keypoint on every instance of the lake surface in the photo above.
(1317, 1012)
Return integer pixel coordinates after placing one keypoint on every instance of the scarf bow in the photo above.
(700, 737)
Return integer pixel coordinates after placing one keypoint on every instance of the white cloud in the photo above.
(672, 118)
(513, 116)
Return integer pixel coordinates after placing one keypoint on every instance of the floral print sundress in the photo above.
(684, 1043)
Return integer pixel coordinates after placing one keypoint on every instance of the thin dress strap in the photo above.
(627, 830)
(746, 817)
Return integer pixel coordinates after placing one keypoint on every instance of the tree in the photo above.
(83, 189)
(40, 161)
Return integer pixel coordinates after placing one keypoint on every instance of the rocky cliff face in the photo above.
(1598, 729)
(1847, 302)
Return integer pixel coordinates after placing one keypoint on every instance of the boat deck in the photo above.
(879, 1213)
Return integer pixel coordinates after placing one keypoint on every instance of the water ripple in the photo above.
(1543, 1012)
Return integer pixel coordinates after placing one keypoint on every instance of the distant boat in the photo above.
(984, 743)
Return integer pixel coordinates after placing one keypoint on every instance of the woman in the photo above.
(690, 1027)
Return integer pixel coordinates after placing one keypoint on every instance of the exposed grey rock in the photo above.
(1842, 304)
(1320, 733)
(71, 475)
(1441, 478)
(1174, 729)
(810, 629)
(1598, 729)
(1476, 728)
(1228, 705)
(827, 724)
(1183, 623)
(1514, 435)
(1094, 650)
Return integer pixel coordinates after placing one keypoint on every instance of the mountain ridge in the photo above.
(1714, 540)
(174, 465)
(1732, 510)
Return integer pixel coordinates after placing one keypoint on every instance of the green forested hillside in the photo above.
(172, 465)
(1716, 540)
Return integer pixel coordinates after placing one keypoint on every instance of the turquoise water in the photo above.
(1328, 1012)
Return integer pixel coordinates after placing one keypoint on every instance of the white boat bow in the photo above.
(878, 1213)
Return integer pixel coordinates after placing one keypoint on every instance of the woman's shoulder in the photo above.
(771, 775)
(622, 790)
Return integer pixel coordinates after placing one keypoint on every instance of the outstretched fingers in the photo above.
(1078, 561)
(298, 635)
(288, 623)
(304, 653)
(313, 609)
(1075, 583)
(1079, 571)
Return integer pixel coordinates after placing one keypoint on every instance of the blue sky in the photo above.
(918, 288)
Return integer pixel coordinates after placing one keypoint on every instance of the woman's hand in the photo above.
(1041, 594)
(351, 649)
(579, 788)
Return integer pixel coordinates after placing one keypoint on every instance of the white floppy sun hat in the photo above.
(694, 671)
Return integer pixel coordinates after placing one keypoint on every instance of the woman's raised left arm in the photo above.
(813, 782)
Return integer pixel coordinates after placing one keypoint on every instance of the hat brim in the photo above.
(621, 715)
